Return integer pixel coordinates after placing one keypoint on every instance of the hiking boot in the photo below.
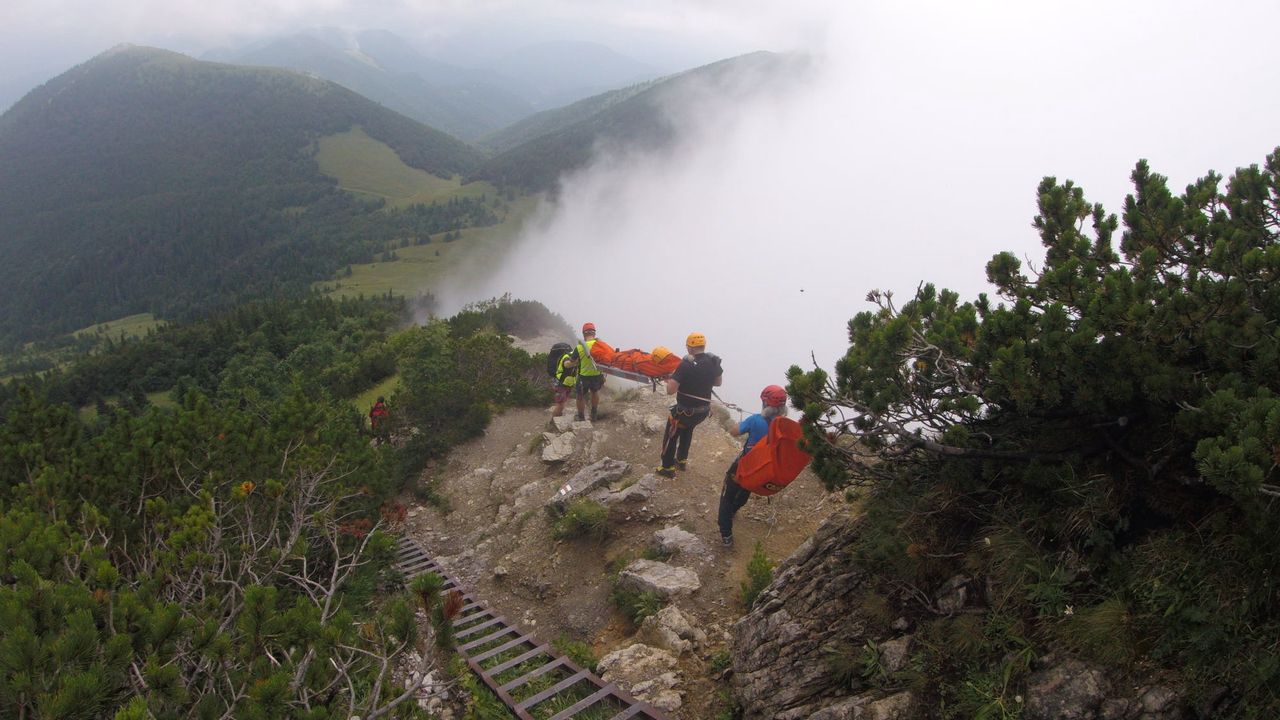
(666, 472)
(593, 414)
(682, 465)
(579, 417)
(726, 540)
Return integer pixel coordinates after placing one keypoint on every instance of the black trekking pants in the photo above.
(732, 498)
(679, 434)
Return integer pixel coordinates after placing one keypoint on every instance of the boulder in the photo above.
(676, 541)
(592, 477)
(953, 595)
(654, 424)
(1067, 690)
(648, 673)
(558, 448)
(1154, 702)
(635, 494)
(894, 653)
(781, 648)
(671, 630)
(564, 423)
(900, 706)
(665, 580)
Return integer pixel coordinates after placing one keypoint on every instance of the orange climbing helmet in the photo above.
(696, 339)
(588, 328)
(773, 396)
(660, 353)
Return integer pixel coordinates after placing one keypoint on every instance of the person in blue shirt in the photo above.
(773, 400)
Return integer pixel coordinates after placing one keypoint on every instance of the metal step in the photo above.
(412, 559)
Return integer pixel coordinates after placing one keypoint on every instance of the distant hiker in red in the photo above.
(378, 420)
(692, 382)
(590, 379)
(773, 404)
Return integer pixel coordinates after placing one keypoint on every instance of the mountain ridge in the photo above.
(144, 180)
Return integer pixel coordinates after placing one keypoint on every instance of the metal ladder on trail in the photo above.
(529, 676)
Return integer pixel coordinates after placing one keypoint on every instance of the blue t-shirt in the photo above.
(756, 427)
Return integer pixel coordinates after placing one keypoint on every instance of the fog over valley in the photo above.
(909, 151)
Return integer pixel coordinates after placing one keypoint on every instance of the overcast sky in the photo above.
(42, 38)
(911, 153)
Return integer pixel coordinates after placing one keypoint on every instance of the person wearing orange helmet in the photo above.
(773, 404)
(590, 378)
(692, 383)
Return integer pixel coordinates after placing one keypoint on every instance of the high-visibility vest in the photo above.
(566, 378)
(586, 365)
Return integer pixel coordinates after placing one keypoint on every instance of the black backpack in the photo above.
(557, 351)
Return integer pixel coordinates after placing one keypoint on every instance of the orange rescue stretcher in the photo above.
(635, 364)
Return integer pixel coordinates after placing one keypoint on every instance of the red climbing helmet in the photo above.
(588, 327)
(774, 396)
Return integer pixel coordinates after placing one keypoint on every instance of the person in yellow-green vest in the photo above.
(590, 379)
(565, 378)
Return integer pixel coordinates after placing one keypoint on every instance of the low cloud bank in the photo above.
(909, 151)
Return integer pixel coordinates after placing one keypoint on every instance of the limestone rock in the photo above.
(1154, 702)
(589, 478)
(635, 494)
(780, 648)
(676, 541)
(564, 423)
(648, 673)
(632, 417)
(901, 706)
(671, 630)
(1160, 703)
(654, 424)
(953, 595)
(894, 653)
(558, 448)
(1069, 690)
(658, 577)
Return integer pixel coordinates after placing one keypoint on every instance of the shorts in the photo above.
(589, 382)
(561, 392)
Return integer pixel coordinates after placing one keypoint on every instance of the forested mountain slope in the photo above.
(643, 121)
(550, 121)
(144, 180)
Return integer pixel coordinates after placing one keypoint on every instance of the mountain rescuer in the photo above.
(590, 379)
(378, 420)
(566, 376)
(773, 404)
(692, 382)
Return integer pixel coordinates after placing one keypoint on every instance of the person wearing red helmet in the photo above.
(773, 404)
(590, 378)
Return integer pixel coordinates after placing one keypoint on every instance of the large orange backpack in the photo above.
(775, 460)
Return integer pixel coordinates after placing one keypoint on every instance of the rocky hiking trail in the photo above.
(500, 495)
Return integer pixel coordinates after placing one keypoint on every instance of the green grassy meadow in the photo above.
(420, 268)
(366, 166)
(369, 167)
(83, 340)
(129, 326)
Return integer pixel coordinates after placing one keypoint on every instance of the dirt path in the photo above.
(496, 534)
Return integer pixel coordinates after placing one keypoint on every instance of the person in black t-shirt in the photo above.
(692, 384)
